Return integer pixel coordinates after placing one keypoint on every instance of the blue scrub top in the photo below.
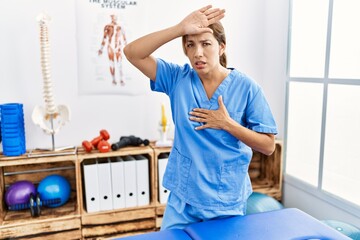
(209, 168)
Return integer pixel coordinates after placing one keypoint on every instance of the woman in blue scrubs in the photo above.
(219, 113)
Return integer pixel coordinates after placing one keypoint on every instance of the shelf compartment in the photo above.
(16, 223)
(266, 172)
(57, 228)
(118, 223)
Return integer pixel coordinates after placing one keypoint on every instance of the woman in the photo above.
(220, 115)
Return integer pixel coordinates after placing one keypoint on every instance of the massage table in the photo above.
(283, 224)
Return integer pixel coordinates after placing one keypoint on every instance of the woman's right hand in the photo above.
(198, 21)
(139, 51)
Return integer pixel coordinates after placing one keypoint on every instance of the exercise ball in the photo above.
(19, 192)
(54, 187)
(345, 228)
(259, 202)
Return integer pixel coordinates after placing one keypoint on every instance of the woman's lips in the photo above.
(200, 64)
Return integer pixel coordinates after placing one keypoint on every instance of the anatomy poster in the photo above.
(103, 28)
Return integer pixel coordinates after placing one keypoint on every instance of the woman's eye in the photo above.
(206, 44)
(189, 45)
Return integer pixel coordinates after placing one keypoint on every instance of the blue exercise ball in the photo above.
(259, 202)
(54, 187)
(345, 228)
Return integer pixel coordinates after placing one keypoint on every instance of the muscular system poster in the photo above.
(103, 28)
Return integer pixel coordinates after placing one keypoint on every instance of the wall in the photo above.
(21, 80)
(315, 206)
(257, 45)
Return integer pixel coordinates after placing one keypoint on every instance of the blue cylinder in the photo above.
(12, 129)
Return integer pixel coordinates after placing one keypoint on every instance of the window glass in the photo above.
(304, 131)
(308, 38)
(341, 154)
(345, 40)
(336, 149)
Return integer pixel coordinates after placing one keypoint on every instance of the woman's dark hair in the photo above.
(219, 34)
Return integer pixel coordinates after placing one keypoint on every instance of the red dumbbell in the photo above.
(104, 135)
(103, 146)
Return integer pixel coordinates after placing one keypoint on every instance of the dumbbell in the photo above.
(129, 141)
(34, 204)
(104, 135)
(52, 191)
(103, 146)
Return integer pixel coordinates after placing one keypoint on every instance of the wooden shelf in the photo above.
(62, 222)
(81, 155)
(123, 221)
(25, 160)
(72, 221)
(118, 222)
(266, 172)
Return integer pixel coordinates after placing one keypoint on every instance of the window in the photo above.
(323, 98)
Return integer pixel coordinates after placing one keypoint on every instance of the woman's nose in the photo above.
(199, 52)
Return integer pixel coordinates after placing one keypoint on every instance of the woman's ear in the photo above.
(222, 48)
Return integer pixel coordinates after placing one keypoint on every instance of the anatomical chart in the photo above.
(103, 28)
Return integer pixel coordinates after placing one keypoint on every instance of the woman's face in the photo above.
(204, 52)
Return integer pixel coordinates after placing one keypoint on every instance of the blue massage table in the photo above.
(284, 224)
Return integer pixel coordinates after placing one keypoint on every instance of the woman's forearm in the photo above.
(261, 142)
(139, 51)
(146, 45)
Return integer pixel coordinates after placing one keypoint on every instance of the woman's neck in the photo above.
(212, 80)
(215, 76)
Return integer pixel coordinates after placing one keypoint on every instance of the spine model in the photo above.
(51, 117)
(45, 65)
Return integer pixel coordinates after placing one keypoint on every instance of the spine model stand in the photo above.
(51, 118)
(164, 129)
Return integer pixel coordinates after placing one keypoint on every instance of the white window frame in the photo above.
(317, 191)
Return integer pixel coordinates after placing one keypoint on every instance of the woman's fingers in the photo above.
(210, 13)
(198, 114)
(198, 119)
(204, 9)
(215, 16)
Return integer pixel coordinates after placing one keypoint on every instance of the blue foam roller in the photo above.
(12, 129)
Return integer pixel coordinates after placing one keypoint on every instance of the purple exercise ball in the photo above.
(19, 192)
